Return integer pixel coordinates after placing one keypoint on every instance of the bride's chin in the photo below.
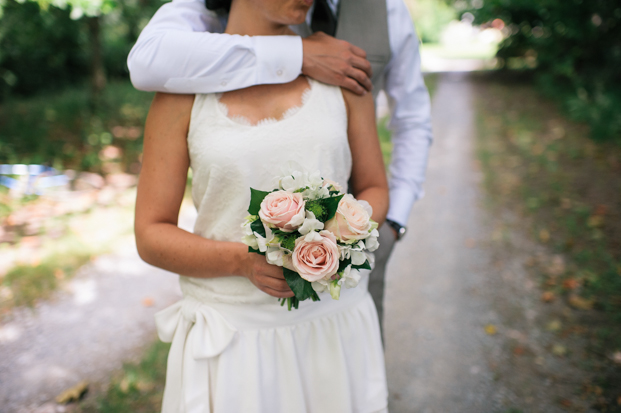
(295, 18)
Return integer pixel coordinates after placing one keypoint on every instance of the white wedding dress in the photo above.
(234, 348)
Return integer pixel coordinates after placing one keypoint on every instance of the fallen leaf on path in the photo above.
(518, 351)
(580, 303)
(147, 302)
(600, 210)
(490, 329)
(554, 325)
(559, 350)
(72, 394)
(565, 403)
(595, 221)
(547, 297)
(544, 235)
(571, 283)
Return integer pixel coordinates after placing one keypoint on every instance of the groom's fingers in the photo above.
(361, 63)
(336, 62)
(359, 77)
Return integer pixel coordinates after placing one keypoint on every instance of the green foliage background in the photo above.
(574, 48)
(43, 48)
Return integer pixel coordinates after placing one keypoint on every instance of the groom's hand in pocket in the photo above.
(336, 62)
(266, 277)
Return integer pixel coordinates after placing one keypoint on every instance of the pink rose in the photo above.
(352, 220)
(284, 210)
(316, 256)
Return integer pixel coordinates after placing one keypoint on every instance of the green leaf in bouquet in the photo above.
(288, 241)
(364, 266)
(317, 209)
(330, 205)
(300, 287)
(257, 226)
(256, 197)
(343, 264)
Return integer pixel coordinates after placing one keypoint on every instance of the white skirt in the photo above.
(325, 357)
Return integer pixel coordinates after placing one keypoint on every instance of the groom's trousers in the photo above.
(377, 278)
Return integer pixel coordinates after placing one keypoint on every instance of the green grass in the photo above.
(138, 388)
(29, 283)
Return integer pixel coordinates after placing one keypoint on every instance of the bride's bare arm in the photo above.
(160, 192)
(368, 176)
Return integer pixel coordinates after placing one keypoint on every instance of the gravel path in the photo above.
(103, 318)
(464, 323)
(435, 340)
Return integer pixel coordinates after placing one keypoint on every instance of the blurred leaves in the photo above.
(45, 44)
(575, 47)
(60, 130)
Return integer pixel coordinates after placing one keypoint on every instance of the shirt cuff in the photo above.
(401, 202)
(279, 58)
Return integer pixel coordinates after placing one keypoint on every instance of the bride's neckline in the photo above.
(223, 110)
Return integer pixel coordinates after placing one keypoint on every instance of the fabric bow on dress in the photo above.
(197, 332)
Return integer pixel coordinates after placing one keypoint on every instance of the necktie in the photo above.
(323, 19)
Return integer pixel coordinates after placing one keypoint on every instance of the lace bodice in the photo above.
(228, 156)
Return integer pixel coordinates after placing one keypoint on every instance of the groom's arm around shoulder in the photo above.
(410, 109)
(182, 50)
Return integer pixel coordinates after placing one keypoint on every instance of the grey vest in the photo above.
(364, 23)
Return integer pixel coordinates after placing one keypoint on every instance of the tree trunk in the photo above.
(98, 75)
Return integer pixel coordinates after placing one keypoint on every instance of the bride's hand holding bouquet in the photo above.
(316, 233)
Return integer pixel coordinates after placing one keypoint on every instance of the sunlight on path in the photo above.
(436, 344)
(102, 319)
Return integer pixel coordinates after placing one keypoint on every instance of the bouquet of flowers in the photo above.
(319, 235)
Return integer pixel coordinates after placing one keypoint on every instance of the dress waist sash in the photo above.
(201, 330)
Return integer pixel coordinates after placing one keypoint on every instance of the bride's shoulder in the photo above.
(357, 103)
(176, 103)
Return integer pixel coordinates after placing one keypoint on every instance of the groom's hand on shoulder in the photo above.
(336, 62)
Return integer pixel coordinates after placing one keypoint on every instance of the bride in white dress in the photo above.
(234, 348)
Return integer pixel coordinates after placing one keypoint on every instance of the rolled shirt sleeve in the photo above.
(183, 50)
(410, 109)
